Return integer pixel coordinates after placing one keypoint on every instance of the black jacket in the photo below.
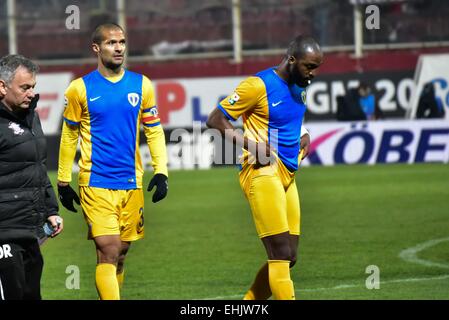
(26, 194)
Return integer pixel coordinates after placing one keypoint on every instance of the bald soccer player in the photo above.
(272, 104)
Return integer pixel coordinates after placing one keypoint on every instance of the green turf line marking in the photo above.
(411, 254)
(343, 286)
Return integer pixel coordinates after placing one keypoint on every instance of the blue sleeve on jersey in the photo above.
(152, 124)
(226, 113)
(73, 123)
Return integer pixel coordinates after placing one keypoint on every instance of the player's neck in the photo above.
(282, 73)
(107, 72)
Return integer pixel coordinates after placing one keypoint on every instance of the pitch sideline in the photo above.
(408, 255)
(343, 286)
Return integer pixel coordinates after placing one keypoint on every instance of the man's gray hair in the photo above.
(10, 63)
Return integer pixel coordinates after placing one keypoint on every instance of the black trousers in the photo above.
(21, 266)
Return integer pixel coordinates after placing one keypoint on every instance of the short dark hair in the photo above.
(10, 63)
(97, 35)
(364, 85)
(301, 45)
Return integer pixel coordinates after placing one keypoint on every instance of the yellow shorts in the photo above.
(113, 212)
(273, 197)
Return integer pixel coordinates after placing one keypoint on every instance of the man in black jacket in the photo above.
(27, 199)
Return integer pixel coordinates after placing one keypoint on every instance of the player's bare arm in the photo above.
(218, 120)
(305, 144)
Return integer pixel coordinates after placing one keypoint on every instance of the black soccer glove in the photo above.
(66, 196)
(161, 182)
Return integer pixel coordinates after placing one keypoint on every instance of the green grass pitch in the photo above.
(200, 241)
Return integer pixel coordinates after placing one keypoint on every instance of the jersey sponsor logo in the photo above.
(93, 99)
(380, 144)
(276, 104)
(233, 99)
(15, 127)
(133, 98)
(5, 251)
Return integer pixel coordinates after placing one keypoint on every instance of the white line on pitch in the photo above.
(411, 254)
(342, 286)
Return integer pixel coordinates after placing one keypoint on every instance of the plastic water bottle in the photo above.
(48, 228)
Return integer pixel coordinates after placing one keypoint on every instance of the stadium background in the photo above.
(370, 213)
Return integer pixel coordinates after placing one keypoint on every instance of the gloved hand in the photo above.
(161, 182)
(66, 196)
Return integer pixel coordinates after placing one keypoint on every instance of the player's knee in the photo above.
(292, 261)
(293, 257)
(121, 258)
(282, 253)
(278, 247)
(123, 252)
(109, 259)
(120, 263)
(109, 255)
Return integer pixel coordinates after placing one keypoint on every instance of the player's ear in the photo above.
(95, 47)
(3, 87)
(291, 60)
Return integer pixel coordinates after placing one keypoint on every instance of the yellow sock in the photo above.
(106, 281)
(260, 289)
(279, 277)
(121, 278)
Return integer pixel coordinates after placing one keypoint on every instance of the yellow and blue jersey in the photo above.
(108, 114)
(272, 111)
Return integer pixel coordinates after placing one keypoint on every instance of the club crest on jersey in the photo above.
(15, 127)
(233, 99)
(303, 97)
(133, 99)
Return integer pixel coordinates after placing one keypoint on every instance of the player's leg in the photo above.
(260, 288)
(100, 208)
(294, 244)
(108, 250)
(131, 226)
(279, 259)
(269, 207)
(293, 216)
(121, 263)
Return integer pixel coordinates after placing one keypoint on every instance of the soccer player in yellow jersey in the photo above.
(272, 105)
(105, 108)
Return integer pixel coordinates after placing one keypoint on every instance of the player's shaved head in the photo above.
(302, 45)
(302, 59)
(98, 34)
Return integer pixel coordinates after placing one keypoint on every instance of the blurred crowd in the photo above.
(266, 24)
